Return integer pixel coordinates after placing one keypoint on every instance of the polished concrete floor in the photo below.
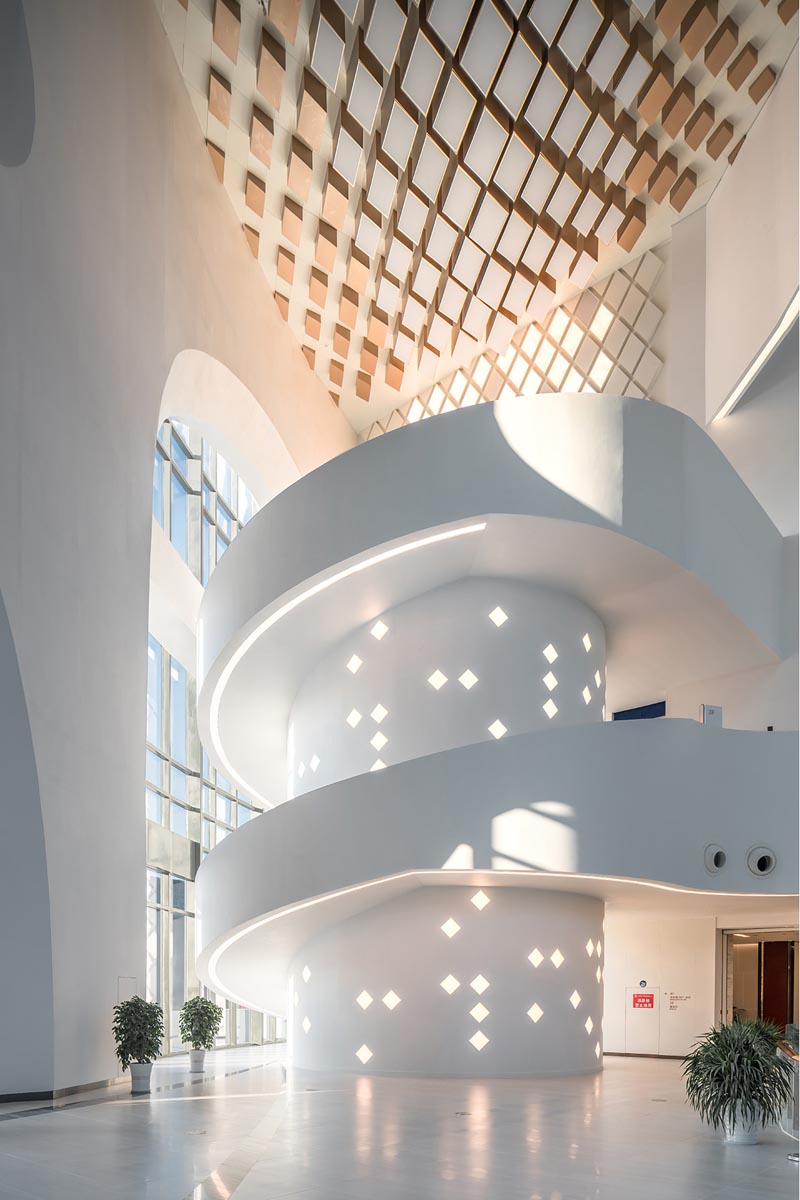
(247, 1132)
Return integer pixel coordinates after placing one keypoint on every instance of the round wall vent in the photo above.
(760, 860)
(714, 858)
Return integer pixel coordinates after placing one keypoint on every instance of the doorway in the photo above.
(762, 976)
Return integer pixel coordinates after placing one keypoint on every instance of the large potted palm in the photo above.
(199, 1023)
(138, 1031)
(737, 1081)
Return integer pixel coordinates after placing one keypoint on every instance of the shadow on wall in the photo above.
(17, 103)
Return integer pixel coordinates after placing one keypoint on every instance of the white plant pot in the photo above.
(744, 1133)
(197, 1060)
(140, 1077)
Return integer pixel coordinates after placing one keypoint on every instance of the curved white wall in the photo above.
(460, 664)
(524, 972)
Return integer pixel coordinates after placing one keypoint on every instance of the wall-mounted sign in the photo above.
(643, 1000)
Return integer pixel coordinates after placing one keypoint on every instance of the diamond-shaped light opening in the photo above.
(450, 927)
(353, 664)
(598, 679)
(479, 1011)
(550, 652)
(314, 762)
(364, 1000)
(589, 1025)
(391, 1000)
(378, 713)
(599, 950)
(296, 999)
(479, 984)
(497, 729)
(597, 1050)
(306, 1024)
(550, 707)
(437, 680)
(587, 642)
(597, 974)
(479, 1039)
(498, 617)
(353, 718)
(379, 630)
(480, 900)
(575, 998)
(550, 681)
(590, 947)
(556, 958)
(378, 765)
(587, 696)
(468, 679)
(378, 740)
(301, 770)
(363, 1054)
(535, 1013)
(306, 974)
(450, 983)
(536, 956)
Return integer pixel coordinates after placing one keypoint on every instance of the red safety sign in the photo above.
(643, 1000)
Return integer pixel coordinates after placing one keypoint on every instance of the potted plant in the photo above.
(138, 1031)
(737, 1081)
(200, 1020)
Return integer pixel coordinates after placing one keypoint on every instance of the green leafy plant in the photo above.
(735, 1073)
(138, 1031)
(199, 1022)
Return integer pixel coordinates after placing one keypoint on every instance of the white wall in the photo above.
(750, 700)
(675, 956)
(120, 251)
(400, 946)
(686, 362)
(447, 630)
(752, 242)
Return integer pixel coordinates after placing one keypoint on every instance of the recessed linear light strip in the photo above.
(483, 873)
(771, 344)
(285, 609)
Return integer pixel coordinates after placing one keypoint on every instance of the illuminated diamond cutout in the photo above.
(450, 927)
(378, 740)
(590, 947)
(575, 999)
(354, 664)
(497, 729)
(379, 630)
(550, 653)
(535, 1013)
(391, 1000)
(597, 1050)
(364, 1000)
(599, 950)
(296, 999)
(587, 642)
(597, 974)
(378, 713)
(378, 765)
(480, 900)
(556, 958)
(551, 708)
(587, 696)
(314, 763)
(301, 770)
(550, 681)
(468, 679)
(306, 974)
(589, 1026)
(306, 1024)
(353, 718)
(498, 616)
(536, 957)
(437, 680)
(450, 983)
(364, 1054)
(597, 679)
(479, 1012)
(479, 984)
(479, 1040)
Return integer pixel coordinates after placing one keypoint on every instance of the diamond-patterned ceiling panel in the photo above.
(421, 182)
